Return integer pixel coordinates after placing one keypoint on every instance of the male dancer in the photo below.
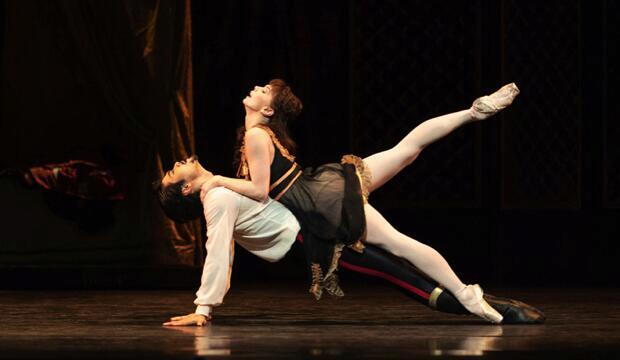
(268, 230)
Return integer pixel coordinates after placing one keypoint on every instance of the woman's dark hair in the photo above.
(175, 205)
(285, 104)
(286, 107)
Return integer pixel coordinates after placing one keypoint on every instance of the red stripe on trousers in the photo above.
(380, 274)
(387, 277)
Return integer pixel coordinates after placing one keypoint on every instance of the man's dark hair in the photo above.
(176, 206)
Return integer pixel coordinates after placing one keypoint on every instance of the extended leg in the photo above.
(428, 260)
(386, 164)
(376, 262)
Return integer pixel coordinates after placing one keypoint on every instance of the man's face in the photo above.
(186, 170)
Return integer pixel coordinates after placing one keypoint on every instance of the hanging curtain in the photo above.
(83, 75)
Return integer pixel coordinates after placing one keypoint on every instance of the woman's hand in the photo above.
(189, 319)
(215, 181)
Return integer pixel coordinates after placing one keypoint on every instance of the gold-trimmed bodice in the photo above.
(284, 171)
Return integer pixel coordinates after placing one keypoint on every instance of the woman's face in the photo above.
(259, 99)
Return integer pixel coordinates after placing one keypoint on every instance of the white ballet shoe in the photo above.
(487, 106)
(471, 298)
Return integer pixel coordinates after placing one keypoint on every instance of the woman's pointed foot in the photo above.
(471, 297)
(487, 106)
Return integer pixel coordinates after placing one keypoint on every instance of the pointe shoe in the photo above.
(487, 106)
(471, 298)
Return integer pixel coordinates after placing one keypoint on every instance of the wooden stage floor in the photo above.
(282, 321)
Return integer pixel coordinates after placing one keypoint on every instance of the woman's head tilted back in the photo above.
(277, 105)
(274, 101)
(179, 190)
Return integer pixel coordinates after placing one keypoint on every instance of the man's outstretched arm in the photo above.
(221, 211)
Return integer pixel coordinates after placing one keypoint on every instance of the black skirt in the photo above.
(328, 201)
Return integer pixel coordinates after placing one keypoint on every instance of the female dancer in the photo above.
(331, 201)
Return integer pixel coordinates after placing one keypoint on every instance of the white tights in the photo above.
(383, 166)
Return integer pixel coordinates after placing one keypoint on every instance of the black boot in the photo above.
(377, 262)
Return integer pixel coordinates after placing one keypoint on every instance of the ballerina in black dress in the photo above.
(331, 201)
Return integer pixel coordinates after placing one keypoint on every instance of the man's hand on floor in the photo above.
(189, 319)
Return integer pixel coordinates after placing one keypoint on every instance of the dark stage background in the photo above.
(529, 198)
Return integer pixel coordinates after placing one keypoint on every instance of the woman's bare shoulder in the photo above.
(257, 135)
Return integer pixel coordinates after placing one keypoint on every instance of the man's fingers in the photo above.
(190, 319)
